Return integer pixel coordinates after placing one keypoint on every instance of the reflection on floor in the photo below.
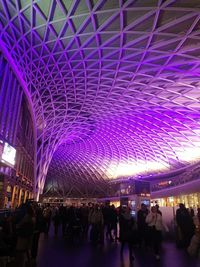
(55, 252)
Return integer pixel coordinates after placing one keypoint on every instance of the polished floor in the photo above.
(54, 252)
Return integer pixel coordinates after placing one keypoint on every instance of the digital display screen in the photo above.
(8, 154)
(146, 202)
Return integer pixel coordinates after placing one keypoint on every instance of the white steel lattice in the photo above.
(113, 83)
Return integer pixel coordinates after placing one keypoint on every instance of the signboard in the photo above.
(142, 188)
(1, 148)
(7, 154)
(127, 188)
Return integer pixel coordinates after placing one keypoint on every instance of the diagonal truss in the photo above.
(112, 83)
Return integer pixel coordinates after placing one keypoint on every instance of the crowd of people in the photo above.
(20, 230)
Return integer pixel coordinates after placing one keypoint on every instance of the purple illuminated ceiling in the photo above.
(115, 86)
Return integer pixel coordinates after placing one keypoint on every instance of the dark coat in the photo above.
(128, 232)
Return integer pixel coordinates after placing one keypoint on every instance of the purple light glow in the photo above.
(111, 86)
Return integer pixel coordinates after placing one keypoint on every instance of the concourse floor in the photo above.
(55, 252)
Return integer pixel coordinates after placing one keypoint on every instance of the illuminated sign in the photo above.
(7, 154)
(164, 183)
(1, 148)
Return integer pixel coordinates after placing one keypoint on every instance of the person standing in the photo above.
(196, 219)
(56, 219)
(185, 226)
(63, 218)
(155, 226)
(96, 220)
(142, 225)
(47, 218)
(127, 231)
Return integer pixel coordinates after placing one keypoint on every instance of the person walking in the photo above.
(142, 225)
(127, 231)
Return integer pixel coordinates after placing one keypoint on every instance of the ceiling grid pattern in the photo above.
(114, 84)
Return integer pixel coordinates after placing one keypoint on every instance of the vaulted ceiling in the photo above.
(115, 87)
